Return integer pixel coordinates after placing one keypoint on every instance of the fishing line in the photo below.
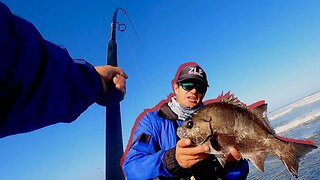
(122, 27)
(133, 27)
(136, 65)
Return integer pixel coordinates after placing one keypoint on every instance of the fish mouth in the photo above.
(182, 134)
(202, 142)
(206, 139)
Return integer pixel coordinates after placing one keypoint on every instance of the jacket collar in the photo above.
(167, 113)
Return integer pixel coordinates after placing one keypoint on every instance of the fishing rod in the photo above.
(114, 143)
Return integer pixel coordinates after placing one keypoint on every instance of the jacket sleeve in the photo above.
(40, 84)
(143, 161)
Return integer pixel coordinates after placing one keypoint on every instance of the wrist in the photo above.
(101, 99)
(172, 166)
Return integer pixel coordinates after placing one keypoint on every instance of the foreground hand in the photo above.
(112, 74)
(232, 155)
(187, 155)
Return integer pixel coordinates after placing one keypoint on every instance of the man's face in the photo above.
(189, 93)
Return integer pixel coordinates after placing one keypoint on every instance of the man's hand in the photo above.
(187, 155)
(115, 74)
(232, 155)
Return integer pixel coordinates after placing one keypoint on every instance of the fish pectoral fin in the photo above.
(212, 150)
(257, 160)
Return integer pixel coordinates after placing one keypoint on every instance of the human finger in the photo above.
(232, 154)
(120, 82)
(183, 142)
(120, 72)
(197, 149)
(197, 157)
(186, 160)
(188, 157)
(235, 153)
(193, 150)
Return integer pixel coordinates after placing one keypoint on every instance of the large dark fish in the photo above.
(227, 122)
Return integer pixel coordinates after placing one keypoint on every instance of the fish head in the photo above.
(196, 129)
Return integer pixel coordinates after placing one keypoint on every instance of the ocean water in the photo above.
(299, 120)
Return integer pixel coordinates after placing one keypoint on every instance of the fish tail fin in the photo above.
(292, 151)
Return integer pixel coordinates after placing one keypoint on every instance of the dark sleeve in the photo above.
(210, 168)
(40, 84)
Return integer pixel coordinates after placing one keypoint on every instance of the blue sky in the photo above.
(264, 49)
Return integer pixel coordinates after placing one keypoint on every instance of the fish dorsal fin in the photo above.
(230, 99)
(259, 109)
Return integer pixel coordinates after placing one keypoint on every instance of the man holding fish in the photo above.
(157, 148)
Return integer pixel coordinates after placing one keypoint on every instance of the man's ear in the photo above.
(175, 88)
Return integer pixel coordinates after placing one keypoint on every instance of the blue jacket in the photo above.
(40, 84)
(151, 153)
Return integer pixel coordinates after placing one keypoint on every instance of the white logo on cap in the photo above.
(194, 70)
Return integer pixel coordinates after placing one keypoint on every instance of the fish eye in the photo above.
(189, 124)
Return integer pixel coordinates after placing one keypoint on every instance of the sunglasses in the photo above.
(188, 86)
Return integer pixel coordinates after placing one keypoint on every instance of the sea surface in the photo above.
(298, 120)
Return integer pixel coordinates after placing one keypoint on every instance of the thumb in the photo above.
(184, 142)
